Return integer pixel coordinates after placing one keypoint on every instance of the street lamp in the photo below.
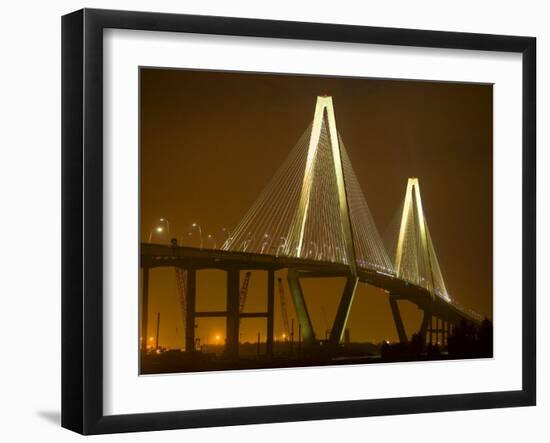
(247, 242)
(163, 220)
(196, 225)
(282, 244)
(159, 228)
(212, 239)
(265, 243)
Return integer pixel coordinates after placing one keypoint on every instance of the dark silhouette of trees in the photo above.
(416, 344)
(411, 350)
(433, 351)
(467, 340)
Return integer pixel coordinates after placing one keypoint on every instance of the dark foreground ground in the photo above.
(213, 358)
(177, 361)
(466, 341)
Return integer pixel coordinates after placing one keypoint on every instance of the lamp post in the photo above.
(247, 242)
(159, 228)
(196, 225)
(212, 239)
(265, 243)
(163, 220)
(316, 255)
(282, 244)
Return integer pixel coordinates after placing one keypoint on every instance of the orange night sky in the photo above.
(210, 142)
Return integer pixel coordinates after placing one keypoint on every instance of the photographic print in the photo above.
(273, 203)
(297, 220)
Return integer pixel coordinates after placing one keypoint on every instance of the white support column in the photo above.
(323, 109)
(296, 235)
(414, 201)
(403, 228)
(424, 237)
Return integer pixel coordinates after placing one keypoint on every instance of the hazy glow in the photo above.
(392, 130)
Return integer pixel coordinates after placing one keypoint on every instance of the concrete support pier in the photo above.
(426, 320)
(337, 332)
(397, 319)
(144, 309)
(190, 310)
(302, 313)
(232, 324)
(270, 310)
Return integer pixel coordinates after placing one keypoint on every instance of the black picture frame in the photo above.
(82, 219)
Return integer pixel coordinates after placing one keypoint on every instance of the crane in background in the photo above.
(244, 291)
(181, 280)
(284, 312)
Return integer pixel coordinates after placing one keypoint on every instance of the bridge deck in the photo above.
(154, 255)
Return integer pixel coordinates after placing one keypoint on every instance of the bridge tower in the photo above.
(313, 209)
(415, 258)
(323, 119)
(324, 126)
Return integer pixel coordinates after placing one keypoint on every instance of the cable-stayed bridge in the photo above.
(313, 219)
